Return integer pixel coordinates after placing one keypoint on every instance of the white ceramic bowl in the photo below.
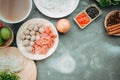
(35, 22)
(12, 22)
(56, 8)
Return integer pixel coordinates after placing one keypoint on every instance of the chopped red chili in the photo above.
(83, 19)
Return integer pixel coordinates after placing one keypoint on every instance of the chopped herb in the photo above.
(5, 75)
(105, 3)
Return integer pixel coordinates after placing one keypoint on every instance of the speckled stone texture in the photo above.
(88, 54)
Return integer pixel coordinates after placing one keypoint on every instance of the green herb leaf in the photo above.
(105, 3)
(5, 75)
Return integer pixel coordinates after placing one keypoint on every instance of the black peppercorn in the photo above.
(92, 12)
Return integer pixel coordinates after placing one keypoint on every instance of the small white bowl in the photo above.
(12, 22)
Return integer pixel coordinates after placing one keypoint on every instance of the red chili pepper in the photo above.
(0, 24)
(82, 19)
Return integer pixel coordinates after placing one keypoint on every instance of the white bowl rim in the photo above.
(36, 56)
(58, 16)
(12, 22)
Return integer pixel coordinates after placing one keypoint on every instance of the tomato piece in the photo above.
(1, 24)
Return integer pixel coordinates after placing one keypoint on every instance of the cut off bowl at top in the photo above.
(56, 8)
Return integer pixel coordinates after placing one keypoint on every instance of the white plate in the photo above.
(22, 48)
(56, 8)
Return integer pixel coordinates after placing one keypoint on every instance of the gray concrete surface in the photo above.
(88, 54)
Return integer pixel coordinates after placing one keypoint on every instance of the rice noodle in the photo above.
(10, 63)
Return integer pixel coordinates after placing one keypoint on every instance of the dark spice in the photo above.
(114, 18)
(92, 11)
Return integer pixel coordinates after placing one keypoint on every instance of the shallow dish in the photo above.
(106, 18)
(56, 8)
(9, 41)
(22, 48)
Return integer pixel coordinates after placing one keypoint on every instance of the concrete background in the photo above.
(88, 54)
